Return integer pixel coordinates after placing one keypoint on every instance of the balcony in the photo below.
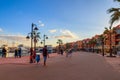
(118, 39)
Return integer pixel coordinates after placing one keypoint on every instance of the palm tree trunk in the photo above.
(110, 44)
(103, 48)
(93, 48)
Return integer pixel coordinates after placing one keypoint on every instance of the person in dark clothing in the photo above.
(4, 52)
(19, 52)
(16, 53)
(61, 51)
(45, 54)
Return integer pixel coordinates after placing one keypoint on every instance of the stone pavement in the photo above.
(12, 60)
(81, 66)
(114, 62)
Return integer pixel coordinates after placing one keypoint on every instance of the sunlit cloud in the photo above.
(53, 31)
(63, 36)
(13, 37)
(19, 39)
(67, 34)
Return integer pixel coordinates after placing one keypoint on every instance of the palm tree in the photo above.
(114, 45)
(93, 43)
(67, 46)
(114, 17)
(59, 42)
(102, 39)
(110, 32)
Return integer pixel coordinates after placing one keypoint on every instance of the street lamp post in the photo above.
(44, 39)
(34, 35)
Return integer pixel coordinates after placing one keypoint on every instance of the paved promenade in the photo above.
(114, 62)
(81, 66)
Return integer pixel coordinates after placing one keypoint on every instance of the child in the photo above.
(37, 58)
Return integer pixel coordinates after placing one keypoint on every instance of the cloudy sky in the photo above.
(69, 20)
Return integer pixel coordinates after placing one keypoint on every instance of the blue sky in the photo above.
(69, 20)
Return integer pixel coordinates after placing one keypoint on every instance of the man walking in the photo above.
(45, 54)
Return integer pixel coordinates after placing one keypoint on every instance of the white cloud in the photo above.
(63, 36)
(67, 34)
(53, 31)
(1, 30)
(39, 21)
(13, 37)
(19, 39)
(41, 24)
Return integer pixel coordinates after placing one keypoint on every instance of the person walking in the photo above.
(69, 52)
(45, 54)
(4, 52)
(16, 53)
(19, 52)
(61, 51)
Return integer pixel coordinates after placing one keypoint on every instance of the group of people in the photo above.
(36, 57)
(67, 51)
(18, 52)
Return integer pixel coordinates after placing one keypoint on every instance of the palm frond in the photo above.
(115, 15)
(101, 37)
(60, 41)
(106, 28)
(106, 31)
(114, 31)
(117, 0)
(113, 10)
